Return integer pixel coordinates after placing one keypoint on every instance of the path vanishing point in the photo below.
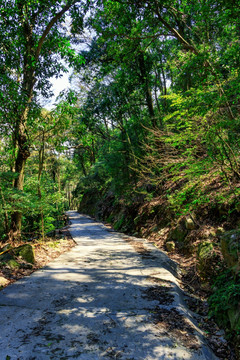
(104, 299)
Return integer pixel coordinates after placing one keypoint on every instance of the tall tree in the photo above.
(34, 36)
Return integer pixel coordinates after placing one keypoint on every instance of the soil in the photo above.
(196, 292)
(44, 251)
(174, 323)
(169, 321)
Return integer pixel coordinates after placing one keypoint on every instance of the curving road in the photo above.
(110, 297)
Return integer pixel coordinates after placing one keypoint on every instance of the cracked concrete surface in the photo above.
(91, 303)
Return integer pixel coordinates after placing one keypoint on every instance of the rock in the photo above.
(230, 248)
(25, 252)
(205, 255)
(234, 317)
(3, 281)
(178, 233)
(6, 257)
(189, 223)
(205, 249)
(170, 245)
(13, 264)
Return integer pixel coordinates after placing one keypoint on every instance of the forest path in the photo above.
(110, 297)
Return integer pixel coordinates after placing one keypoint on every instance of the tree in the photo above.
(172, 65)
(33, 37)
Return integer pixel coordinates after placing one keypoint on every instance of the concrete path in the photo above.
(107, 298)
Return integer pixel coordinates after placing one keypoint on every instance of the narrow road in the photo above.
(110, 297)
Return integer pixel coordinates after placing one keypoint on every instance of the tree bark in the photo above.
(22, 155)
(6, 222)
(147, 89)
(32, 51)
(40, 168)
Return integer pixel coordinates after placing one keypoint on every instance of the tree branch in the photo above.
(51, 24)
(174, 32)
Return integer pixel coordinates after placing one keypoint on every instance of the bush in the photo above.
(224, 302)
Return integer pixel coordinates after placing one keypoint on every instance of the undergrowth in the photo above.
(225, 297)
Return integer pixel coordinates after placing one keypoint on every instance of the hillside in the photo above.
(147, 137)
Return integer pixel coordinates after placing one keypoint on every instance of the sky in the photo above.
(59, 85)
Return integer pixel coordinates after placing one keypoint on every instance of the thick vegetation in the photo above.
(150, 139)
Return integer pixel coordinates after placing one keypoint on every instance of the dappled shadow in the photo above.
(93, 231)
(89, 304)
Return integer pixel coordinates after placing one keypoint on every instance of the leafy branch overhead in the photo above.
(32, 41)
(148, 136)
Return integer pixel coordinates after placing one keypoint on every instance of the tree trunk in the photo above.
(20, 134)
(32, 50)
(6, 223)
(22, 155)
(147, 90)
(40, 168)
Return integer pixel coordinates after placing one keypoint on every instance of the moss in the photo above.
(205, 258)
(13, 264)
(230, 248)
(178, 233)
(25, 252)
(170, 245)
(205, 250)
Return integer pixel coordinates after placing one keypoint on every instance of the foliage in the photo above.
(31, 49)
(155, 115)
(226, 296)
